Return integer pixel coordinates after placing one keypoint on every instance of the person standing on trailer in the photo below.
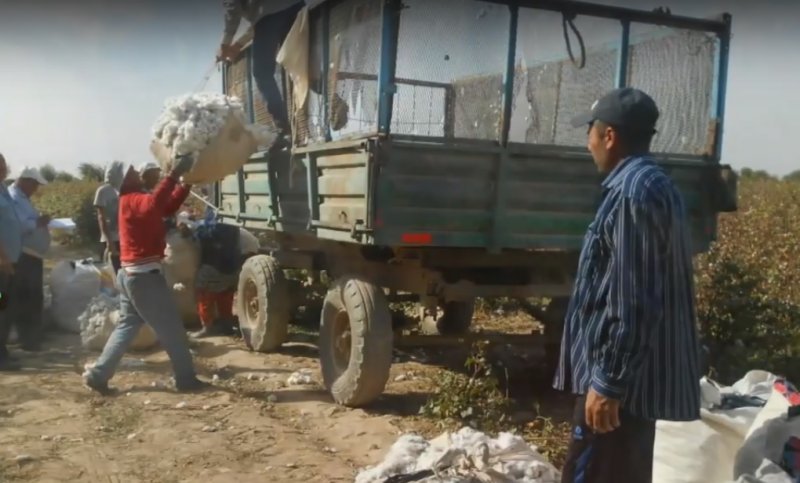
(271, 20)
(630, 347)
(29, 269)
(144, 294)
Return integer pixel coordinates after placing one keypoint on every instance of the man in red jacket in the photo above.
(144, 294)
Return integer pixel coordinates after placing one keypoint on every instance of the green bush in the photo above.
(72, 199)
(747, 284)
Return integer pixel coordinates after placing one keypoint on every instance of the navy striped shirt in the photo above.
(630, 328)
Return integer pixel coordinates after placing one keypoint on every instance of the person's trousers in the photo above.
(623, 455)
(114, 258)
(268, 36)
(6, 296)
(213, 305)
(28, 305)
(145, 298)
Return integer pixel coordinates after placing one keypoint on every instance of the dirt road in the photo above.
(251, 426)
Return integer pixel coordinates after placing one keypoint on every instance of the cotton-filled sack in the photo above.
(214, 128)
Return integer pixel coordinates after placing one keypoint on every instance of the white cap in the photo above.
(34, 174)
(144, 167)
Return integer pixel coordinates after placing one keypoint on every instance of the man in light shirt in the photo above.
(106, 202)
(10, 250)
(29, 270)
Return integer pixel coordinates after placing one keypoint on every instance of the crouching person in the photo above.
(144, 294)
(221, 259)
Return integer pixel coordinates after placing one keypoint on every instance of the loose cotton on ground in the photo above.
(463, 457)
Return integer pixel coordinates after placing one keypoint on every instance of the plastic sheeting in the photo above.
(726, 444)
(463, 457)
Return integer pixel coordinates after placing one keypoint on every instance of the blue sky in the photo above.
(83, 81)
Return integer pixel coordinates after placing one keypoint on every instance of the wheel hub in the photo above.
(342, 341)
(251, 302)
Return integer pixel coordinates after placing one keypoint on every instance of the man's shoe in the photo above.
(192, 386)
(99, 387)
(8, 365)
(203, 333)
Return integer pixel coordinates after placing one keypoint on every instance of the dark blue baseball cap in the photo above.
(626, 108)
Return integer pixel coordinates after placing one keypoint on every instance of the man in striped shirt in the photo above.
(629, 349)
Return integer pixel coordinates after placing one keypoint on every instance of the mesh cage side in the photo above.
(552, 87)
(450, 66)
(355, 34)
(676, 67)
(236, 80)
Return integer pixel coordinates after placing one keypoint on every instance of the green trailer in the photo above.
(455, 174)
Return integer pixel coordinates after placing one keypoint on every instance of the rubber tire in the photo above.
(371, 342)
(456, 318)
(271, 327)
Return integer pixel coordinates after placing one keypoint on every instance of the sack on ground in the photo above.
(181, 261)
(73, 284)
(99, 320)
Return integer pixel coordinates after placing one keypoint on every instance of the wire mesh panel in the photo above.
(355, 45)
(450, 64)
(676, 67)
(550, 85)
(236, 80)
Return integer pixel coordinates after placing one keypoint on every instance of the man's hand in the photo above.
(6, 266)
(227, 52)
(182, 165)
(112, 248)
(602, 413)
(43, 221)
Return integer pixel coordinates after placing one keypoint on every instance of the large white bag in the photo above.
(724, 443)
(99, 320)
(181, 261)
(73, 285)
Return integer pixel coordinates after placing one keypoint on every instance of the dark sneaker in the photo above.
(95, 385)
(193, 385)
(9, 365)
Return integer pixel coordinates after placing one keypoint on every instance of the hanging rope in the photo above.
(568, 20)
(207, 77)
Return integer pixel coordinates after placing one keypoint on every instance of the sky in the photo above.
(84, 80)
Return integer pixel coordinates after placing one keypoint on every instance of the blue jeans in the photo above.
(268, 36)
(146, 298)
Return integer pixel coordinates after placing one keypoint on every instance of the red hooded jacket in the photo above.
(142, 233)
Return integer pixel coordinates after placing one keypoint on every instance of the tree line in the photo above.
(86, 172)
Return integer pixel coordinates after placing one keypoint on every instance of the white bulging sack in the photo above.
(72, 285)
(181, 261)
(99, 320)
(214, 128)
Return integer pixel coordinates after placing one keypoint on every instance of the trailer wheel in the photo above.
(355, 342)
(456, 318)
(263, 304)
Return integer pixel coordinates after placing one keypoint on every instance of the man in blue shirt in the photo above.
(29, 269)
(10, 250)
(629, 349)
